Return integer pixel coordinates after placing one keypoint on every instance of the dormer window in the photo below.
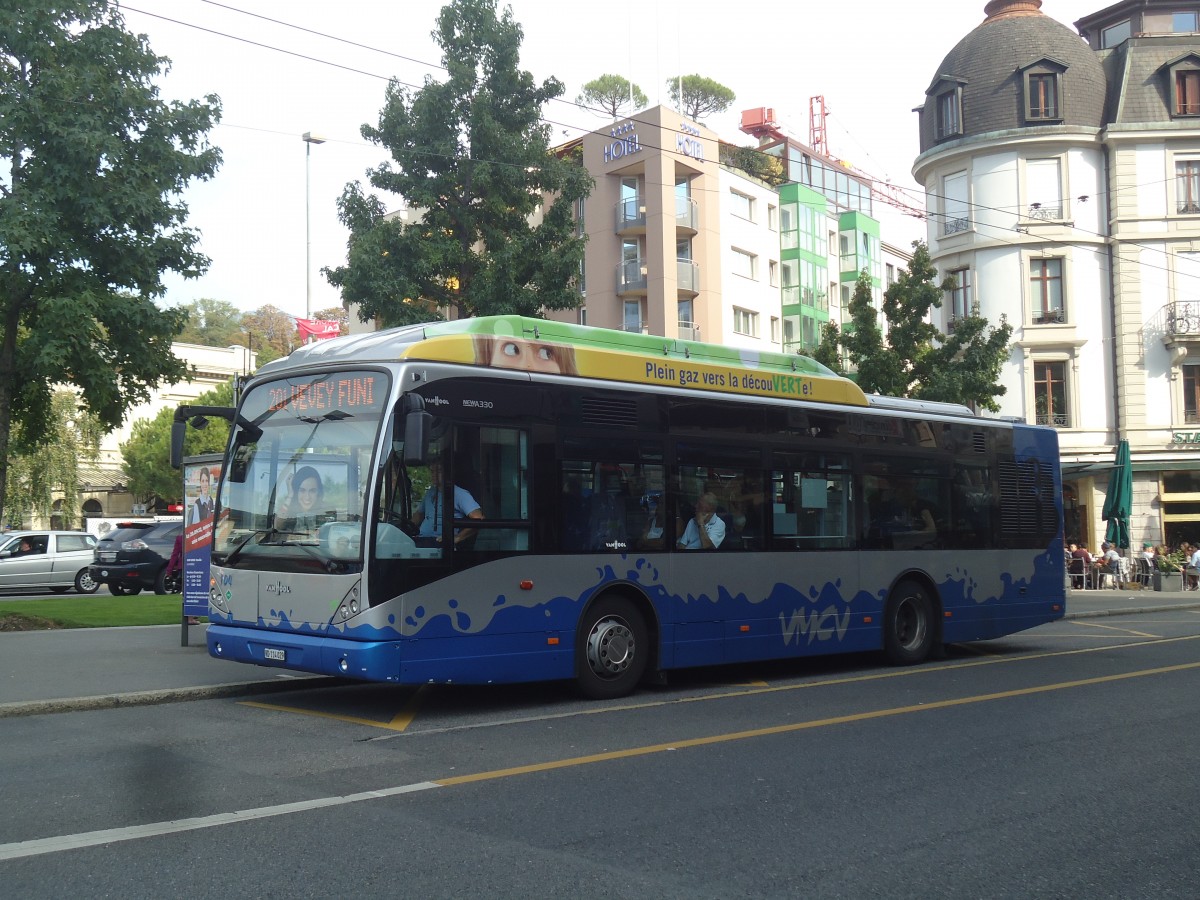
(1183, 80)
(1042, 81)
(946, 96)
(1187, 93)
(949, 113)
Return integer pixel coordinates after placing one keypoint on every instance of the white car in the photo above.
(47, 559)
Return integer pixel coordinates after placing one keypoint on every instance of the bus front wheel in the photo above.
(612, 649)
(908, 624)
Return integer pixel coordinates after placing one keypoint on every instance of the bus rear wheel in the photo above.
(908, 626)
(612, 649)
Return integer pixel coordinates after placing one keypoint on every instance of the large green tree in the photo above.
(146, 456)
(472, 160)
(92, 166)
(213, 323)
(701, 96)
(913, 358)
(40, 465)
(611, 93)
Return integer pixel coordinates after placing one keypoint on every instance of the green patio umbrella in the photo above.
(1118, 501)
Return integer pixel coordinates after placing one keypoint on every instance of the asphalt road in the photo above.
(1052, 763)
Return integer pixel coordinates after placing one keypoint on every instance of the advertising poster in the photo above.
(200, 475)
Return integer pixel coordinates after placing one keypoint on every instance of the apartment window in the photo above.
(1115, 34)
(949, 113)
(632, 320)
(956, 215)
(1050, 394)
(772, 217)
(741, 205)
(744, 264)
(1041, 96)
(1187, 186)
(745, 322)
(773, 271)
(891, 274)
(1043, 184)
(959, 298)
(1046, 291)
(687, 317)
(1191, 394)
(775, 333)
(1169, 22)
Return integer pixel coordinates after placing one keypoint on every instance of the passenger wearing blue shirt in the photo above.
(428, 518)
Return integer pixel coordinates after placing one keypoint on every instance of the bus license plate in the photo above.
(274, 653)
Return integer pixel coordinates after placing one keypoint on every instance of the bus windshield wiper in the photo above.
(236, 551)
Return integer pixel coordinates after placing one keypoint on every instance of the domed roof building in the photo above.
(1062, 171)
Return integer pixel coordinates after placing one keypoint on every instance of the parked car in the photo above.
(134, 555)
(55, 560)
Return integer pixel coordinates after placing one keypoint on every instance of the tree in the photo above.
(916, 359)
(146, 456)
(701, 96)
(828, 351)
(472, 159)
(612, 93)
(270, 332)
(213, 323)
(753, 162)
(334, 314)
(92, 165)
(40, 465)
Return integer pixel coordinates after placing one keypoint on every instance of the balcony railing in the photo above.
(1055, 420)
(688, 331)
(631, 276)
(687, 214)
(954, 226)
(1047, 212)
(1049, 317)
(631, 213)
(1183, 318)
(688, 274)
(636, 327)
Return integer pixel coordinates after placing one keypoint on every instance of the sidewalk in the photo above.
(103, 668)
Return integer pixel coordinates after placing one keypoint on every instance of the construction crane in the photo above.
(760, 123)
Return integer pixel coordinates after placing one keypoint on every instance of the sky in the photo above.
(285, 68)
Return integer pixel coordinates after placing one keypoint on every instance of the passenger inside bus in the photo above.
(705, 530)
(428, 517)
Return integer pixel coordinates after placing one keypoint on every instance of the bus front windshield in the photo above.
(295, 485)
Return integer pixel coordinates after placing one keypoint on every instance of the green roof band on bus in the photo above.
(538, 345)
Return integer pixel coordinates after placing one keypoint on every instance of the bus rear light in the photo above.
(948, 614)
(527, 585)
(867, 620)
(743, 628)
(553, 642)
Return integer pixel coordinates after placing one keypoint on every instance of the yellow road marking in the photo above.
(399, 722)
(1122, 630)
(651, 749)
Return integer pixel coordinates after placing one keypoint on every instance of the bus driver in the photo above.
(428, 518)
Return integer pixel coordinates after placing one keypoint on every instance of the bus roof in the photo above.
(538, 345)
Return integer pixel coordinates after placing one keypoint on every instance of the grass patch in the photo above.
(90, 611)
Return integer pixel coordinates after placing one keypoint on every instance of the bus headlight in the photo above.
(350, 606)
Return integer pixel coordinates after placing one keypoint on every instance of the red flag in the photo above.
(318, 329)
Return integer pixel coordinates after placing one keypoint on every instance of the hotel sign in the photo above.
(623, 146)
(688, 143)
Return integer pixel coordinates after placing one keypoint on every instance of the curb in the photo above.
(1130, 611)
(167, 695)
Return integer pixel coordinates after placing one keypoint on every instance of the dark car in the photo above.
(134, 555)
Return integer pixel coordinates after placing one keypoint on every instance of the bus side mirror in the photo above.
(178, 430)
(417, 425)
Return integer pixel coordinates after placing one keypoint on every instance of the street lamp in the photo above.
(309, 139)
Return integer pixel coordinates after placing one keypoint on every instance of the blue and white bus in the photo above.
(508, 499)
